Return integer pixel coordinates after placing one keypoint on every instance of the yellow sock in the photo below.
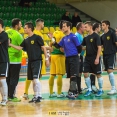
(51, 83)
(27, 84)
(59, 84)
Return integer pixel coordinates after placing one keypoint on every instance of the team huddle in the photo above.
(70, 53)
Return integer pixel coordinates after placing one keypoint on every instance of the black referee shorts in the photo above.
(72, 66)
(4, 66)
(34, 69)
(109, 61)
(81, 64)
(90, 67)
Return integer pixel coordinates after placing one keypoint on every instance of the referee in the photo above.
(33, 45)
(71, 48)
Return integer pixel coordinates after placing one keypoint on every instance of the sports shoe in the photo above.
(52, 95)
(15, 99)
(88, 93)
(25, 96)
(112, 92)
(71, 96)
(34, 99)
(99, 93)
(60, 95)
(94, 89)
(4, 102)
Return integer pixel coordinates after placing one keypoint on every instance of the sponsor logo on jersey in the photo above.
(108, 37)
(32, 42)
(68, 40)
(91, 40)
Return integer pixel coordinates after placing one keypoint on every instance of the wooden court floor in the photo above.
(105, 106)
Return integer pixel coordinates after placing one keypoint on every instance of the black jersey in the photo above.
(4, 47)
(91, 42)
(32, 45)
(108, 41)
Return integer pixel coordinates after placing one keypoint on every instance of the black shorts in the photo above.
(81, 64)
(90, 67)
(4, 66)
(34, 69)
(72, 66)
(109, 61)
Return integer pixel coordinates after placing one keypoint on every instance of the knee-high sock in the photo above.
(4, 89)
(112, 80)
(59, 84)
(88, 83)
(37, 88)
(100, 83)
(1, 91)
(92, 78)
(51, 83)
(27, 84)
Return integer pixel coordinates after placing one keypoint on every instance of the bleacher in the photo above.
(10, 9)
(43, 9)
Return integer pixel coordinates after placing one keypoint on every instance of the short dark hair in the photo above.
(68, 24)
(79, 25)
(1, 22)
(96, 25)
(89, 23)
(15, 22)
(30, 25)
(39, 20)
(61, 24)
(106, 22)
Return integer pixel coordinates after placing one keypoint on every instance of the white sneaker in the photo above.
(112, 92)
(52, 95)
(25, 96)
(60, 95)
(4, 102)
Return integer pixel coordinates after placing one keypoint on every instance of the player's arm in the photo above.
(4, 38)
(46, 56)
(53, 41)
(22, 45)
(16, 47)
(79, 48)
(98, 42)
(114, 38)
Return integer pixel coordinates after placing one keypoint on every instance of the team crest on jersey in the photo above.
(68, 40)
(108, 37)
(32, 42)
(91, 40)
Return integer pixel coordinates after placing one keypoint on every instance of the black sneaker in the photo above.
(37, 100)
(33, 100)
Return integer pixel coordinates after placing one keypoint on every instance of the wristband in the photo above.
(46, 59)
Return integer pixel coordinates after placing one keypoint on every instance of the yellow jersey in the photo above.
(58, 35)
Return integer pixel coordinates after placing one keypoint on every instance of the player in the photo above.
(57, 65)
(92, 62)
(109, 42)
(4, 63)
(32, 44)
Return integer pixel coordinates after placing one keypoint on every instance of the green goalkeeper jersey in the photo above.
(16, 38)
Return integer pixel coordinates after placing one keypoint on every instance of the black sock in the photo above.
(92, 78)
(79, 83)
